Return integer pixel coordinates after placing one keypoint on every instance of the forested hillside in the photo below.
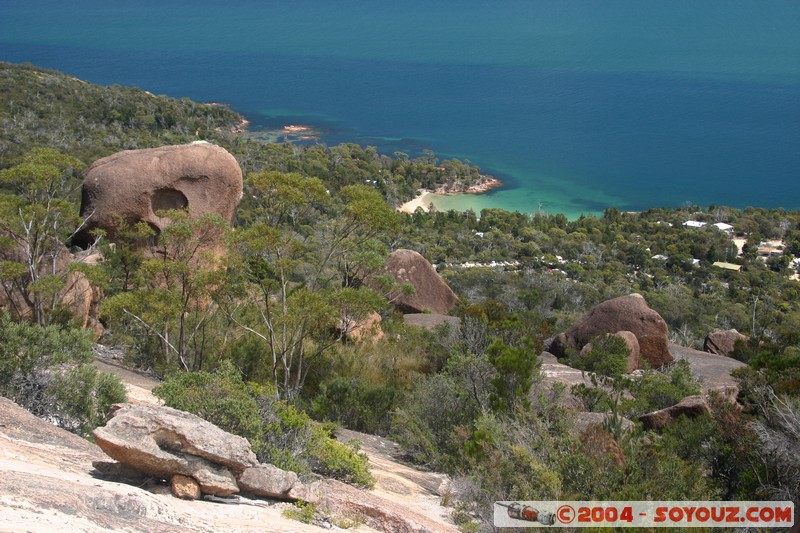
(40, 107)
(260, 338)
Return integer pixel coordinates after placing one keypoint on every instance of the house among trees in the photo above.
(693, 224)
(722, 226)
(728, 266)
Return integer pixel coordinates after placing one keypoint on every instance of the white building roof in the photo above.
(694, 224)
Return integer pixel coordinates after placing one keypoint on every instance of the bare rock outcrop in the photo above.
(723, 342)
(47, 483)
(691, 407)
(712, 371)
(431, 293)
(79, 298)
(270, 481)
(377, 512)
(161, 441)
(136, 184)
(367, 329)
(626, 313)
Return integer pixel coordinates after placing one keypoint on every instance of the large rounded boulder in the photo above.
(431, 293)
(135, 185)
(626, 313)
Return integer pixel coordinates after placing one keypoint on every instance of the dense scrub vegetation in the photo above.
(49, 371)
(46, 108)
(256, 332)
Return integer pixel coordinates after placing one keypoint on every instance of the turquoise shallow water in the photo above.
(576, 104)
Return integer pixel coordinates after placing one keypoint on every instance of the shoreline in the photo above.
(421, 200)
(424, 197)
(488, 183)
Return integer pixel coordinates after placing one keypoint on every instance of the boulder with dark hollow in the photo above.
(723, 342)
(626, 313)
(134, 185)
(431, 293)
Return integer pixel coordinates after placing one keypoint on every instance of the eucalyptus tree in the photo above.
(302, 264)
(36, 217)
(170, 297)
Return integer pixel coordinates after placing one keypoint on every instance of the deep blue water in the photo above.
(576, 104)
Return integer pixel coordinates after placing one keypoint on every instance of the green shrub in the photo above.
(505, 459)
(221, 397)
(514, 375)
(438, 404)
(416, 438)
(304, 512)
(48, 371)
(340, 460)
(83, 396)
(608, 356)
(293, 441)
(658, 390)
(355, 404)
(279, 432)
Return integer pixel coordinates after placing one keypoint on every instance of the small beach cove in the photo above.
(426, 197)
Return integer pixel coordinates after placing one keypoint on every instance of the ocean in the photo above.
(577, 105)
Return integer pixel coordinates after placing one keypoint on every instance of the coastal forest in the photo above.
(309, 245)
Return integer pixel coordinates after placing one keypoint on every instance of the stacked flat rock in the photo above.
(171, 444)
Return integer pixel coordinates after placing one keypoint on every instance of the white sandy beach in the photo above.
(421, 200)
